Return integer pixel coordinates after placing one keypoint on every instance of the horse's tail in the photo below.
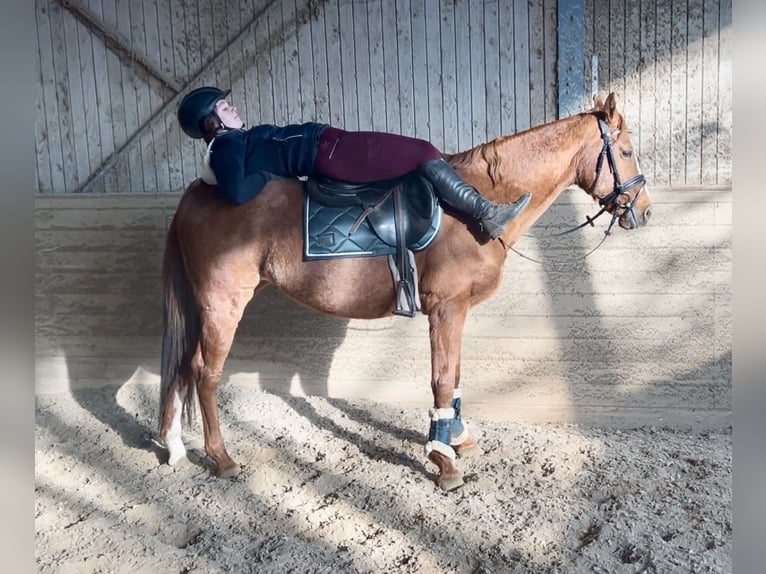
(180, 329)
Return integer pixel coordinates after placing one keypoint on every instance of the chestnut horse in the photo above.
(218, 256)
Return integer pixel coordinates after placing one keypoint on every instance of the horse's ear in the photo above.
(598, 103)
(610, 107)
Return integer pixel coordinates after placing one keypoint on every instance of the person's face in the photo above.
(228, 114)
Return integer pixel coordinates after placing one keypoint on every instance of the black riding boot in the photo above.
(454, 191)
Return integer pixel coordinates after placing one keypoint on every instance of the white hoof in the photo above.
(177, 451)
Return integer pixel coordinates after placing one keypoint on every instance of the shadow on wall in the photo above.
(263, 355)
(98, 321)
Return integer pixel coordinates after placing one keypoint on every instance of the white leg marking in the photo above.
(173, 439)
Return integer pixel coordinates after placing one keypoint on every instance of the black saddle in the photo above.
(407, 202)
(392, 217)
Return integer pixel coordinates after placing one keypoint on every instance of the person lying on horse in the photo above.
(242, 161)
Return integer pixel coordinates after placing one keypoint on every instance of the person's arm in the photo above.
(227, 160)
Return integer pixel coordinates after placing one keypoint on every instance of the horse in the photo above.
(219, 256)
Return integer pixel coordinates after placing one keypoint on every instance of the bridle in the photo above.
(619, 188)
(609, 200)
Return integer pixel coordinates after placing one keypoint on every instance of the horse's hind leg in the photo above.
(170, 430)
(219, 323)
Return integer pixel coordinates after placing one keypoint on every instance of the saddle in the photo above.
(392, 218)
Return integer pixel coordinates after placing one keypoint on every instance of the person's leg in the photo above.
(361, 157)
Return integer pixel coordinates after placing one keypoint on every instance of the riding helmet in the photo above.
(195, 106)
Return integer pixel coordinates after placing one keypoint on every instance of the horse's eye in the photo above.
(627, 153)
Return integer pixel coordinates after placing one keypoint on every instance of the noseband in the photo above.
(619, 188)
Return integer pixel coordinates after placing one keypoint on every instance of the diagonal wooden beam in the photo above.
(217, 59)
(118, 43)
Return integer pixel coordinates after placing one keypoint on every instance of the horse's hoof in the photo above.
(450, 481)
(467, 447)
(229, 472)
(176, 457)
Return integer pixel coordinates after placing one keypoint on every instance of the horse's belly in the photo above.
(353, 288)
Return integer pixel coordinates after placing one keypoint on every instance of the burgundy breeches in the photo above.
(361, 157)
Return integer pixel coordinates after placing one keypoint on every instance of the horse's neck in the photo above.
(544, 159)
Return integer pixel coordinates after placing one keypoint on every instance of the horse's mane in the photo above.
(487, 152)
(490, 152)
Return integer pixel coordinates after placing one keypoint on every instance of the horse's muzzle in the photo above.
(633, 219)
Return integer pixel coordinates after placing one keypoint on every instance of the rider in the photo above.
(242, 161)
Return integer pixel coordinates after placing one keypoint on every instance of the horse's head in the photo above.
(620, 187)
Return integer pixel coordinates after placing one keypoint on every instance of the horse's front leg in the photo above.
(446, 430)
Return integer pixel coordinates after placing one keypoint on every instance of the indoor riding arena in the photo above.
(595, 381)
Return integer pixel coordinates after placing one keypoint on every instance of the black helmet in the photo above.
(195, 106)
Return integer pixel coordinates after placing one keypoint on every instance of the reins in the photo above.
(607, 201)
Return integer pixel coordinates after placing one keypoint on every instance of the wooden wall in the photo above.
(669, 62)
(639, 332)
(453, 71)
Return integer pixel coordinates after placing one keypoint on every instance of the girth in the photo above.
(392, 217)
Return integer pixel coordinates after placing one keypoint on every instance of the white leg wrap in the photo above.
(173, 440)
(460, 439)
(439, 414)
(458, 394)
(440, 447)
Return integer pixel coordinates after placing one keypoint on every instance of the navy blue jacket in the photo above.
(244, 161)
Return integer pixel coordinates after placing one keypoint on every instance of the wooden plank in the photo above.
(321, 92)
(265, 78)
(663, 95)
(616, 46)
(377, 66)
(170, 24)
(477, 74)
(141, 33)
(463, 63)
(221, 28)
(44, 147)
(249, 96)
(191, 37)
(404, 50)
(178, 42)
(334, 65)
(207, 40)
(710, 89)
(507, 67)
(119, 178)
(420, 87)
(134, 163)
(101, 55)
(492, 70)
(172, 135)
(293, 113)
(390, 66)
(694, 93)
(63, 28)
(157, 97)
(433, 74)
(631, 103)
(724, 172)
(521, 64)
(305, 75)
(678, 93)
(448, 103)
(348, 85)
(644, 122)
(536, 86)
(362, 70)
(551, 58)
